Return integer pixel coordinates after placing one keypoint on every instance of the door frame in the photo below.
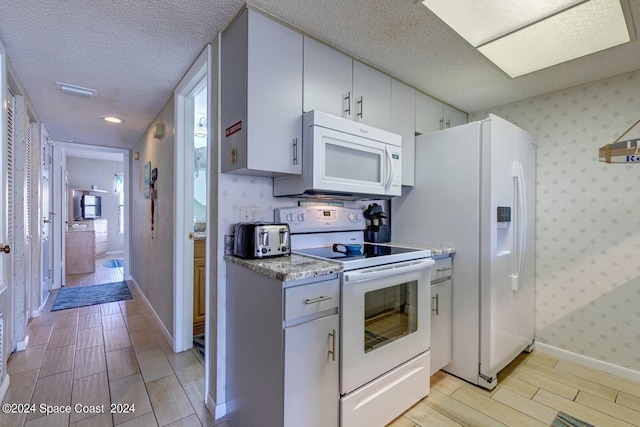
(59, 205)
(183, 203)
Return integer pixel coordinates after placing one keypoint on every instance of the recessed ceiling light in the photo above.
(76, 90)
(112, 119)
(526, 36)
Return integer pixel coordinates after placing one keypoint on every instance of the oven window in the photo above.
(349, 163)
(390, 313)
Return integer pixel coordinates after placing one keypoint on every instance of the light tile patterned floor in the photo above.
(101, 275)
(530, 392)
(104, 354)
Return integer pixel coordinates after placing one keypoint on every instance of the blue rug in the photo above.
(113, 263)
(82, 296)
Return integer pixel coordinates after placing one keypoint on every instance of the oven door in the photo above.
(348, 163)
(385, 319)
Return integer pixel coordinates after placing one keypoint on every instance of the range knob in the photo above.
(301, 217)
(351, 217)
(290, 217)
(359, 217)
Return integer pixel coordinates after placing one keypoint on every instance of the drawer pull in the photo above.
(332, 352)
(316, 300)
(437, 309)
(440, 270)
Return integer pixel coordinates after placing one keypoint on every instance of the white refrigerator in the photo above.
(475, 190)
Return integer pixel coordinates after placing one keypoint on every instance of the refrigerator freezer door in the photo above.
(506, 309)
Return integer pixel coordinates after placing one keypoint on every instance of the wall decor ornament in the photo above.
(621, 151)
(147, 180)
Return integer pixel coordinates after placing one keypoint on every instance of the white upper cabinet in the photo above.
(432, 115)
(339, 85)
(371, 102)
(261, 96)
(327, 79)
(403, 114)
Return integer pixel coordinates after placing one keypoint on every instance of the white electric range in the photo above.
(384, 312)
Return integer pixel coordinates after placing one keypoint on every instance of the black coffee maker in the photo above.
(377, 231)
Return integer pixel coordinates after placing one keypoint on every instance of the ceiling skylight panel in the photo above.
(480, 21)
(588, 28)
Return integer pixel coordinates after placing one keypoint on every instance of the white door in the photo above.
(5, 257)
(46, 276)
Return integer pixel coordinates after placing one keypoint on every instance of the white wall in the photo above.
(152, 253)
(588, 226)
(83, 173)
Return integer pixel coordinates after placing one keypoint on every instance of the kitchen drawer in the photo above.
(101, 237)
(310, 299)
(100, 225)
(441, 269)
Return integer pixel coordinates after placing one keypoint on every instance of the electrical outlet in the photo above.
(249, 213)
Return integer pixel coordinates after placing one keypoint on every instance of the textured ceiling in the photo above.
(134, 53)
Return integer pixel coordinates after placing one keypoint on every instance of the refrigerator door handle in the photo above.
(520, 232)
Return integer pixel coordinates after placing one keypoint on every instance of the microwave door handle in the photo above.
(387, 187)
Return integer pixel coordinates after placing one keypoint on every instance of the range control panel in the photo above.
(308, 219)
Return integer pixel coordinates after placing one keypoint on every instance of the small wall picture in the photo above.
(147, 180)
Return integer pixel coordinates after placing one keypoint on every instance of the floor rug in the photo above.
(564, 420)
(113, 263)
(81, 296)
(198, 343)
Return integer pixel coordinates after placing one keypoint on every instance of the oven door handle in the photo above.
(373, 273)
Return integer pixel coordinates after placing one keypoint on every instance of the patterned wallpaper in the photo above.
(588, 218)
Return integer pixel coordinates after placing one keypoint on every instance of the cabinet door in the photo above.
(429, 113)
(274, 96)
(453, 117)
(372, 96)
(199, 299)
(440, 325)
(311, 374)
(327, 80)
(403, 121)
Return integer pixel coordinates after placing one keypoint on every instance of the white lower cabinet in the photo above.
(441, 316)
(282, 350)
(311, 373)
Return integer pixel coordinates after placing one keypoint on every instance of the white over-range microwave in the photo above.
(344, 159)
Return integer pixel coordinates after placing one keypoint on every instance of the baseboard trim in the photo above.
(4, 386)
(22, 345)
(163, 329)
(221, 410)
(600, 365)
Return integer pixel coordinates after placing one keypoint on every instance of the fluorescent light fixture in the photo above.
(76, 90)
(525, 36)
(113, 119)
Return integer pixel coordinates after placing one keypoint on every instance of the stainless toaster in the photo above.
(261, 240)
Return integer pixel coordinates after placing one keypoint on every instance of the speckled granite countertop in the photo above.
(288, 268)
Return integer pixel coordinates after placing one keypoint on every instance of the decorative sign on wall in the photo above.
(621, 151)
(147, 180)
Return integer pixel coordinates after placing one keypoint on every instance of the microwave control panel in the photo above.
(396, 167)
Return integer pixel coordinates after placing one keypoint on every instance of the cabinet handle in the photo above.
(440, 270)
(360, 103)
(441, 123)
(295, 151)
(316, 300)
(448, 123)
(348, 99)
(332, 352)
(437, 309)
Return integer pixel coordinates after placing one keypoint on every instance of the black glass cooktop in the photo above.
(368, 250)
